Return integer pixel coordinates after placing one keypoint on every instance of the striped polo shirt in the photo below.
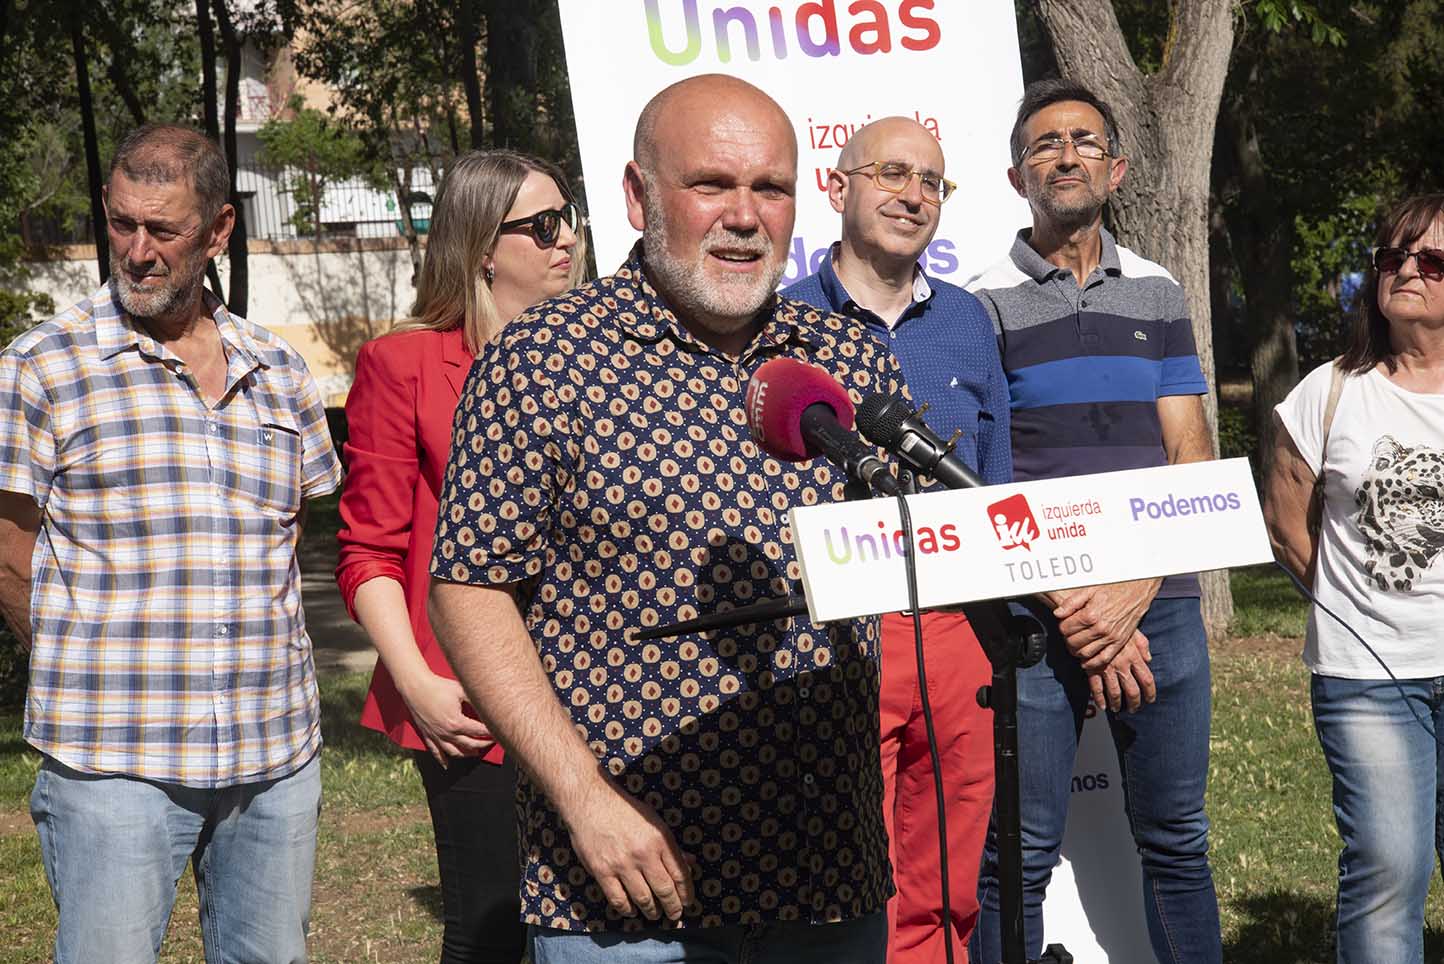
(1086, 365)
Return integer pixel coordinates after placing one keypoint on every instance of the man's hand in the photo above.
(630, 852)
(1097, 621)
(1126, 680)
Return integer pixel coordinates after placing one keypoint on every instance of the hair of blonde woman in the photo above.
(472, 202)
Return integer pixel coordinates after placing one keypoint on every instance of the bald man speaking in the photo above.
(889, 188)
(710, 797)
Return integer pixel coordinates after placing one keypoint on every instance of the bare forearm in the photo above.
(1288, 494)
(380, 606)
(15, 603)
(19, 528)
(491, 651)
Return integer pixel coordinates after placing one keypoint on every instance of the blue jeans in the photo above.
(114, 848)
(1163, 757)
(860, 941)
(1386, 770)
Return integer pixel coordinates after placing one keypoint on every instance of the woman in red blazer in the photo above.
(504, 235)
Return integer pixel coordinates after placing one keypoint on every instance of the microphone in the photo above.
(798, 411)
(769, 610)
(890, 423)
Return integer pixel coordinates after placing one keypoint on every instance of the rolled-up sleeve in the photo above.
(383, 470)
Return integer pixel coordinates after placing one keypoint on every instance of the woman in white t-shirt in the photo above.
(1373, 558)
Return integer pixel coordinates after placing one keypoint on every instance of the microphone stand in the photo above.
(1011, 643)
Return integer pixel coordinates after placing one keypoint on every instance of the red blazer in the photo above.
(398, 417)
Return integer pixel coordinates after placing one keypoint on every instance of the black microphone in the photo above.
(769, 610)
(891, 423)
(798, 411)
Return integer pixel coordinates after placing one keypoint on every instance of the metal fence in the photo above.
(280, 205)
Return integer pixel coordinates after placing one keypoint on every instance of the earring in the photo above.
(489, 272)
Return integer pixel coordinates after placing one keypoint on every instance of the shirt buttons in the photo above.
(223, 631)
(212, 427)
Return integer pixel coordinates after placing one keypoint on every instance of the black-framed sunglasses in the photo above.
(546, 225)
(1430, 261)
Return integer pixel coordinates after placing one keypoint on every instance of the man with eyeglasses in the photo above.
(1103, 374)
(889, 188)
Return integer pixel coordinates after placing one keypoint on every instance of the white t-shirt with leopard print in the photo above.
(1383, 529)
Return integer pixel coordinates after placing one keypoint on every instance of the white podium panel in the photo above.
(1014, 540)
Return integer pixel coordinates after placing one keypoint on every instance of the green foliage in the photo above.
(1329, 247)
(19, 310)
(317, 151)
(14, 666)
(1236, 435)
(1279, 15)
(1265, 602)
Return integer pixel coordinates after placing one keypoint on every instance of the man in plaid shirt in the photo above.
(155, 455)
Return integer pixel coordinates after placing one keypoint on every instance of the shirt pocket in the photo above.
(273, 476)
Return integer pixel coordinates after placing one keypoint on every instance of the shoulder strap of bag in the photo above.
(1336, 388)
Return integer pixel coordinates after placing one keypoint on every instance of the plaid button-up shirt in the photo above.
(169, 642)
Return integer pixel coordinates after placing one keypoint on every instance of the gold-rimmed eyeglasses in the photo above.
(1088, 147)
(895, 178)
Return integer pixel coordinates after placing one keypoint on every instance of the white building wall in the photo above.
(326, 298)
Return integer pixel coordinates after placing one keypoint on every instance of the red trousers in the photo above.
(956, 667)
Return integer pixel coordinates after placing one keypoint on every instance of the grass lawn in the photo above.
(376, 899)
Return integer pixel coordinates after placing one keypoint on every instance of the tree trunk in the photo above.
(236, 247)
(511, 37)
(1166, 122)
(92, 150)
(402, 185)
(208, 70)
(1263, 230)
(469, 16)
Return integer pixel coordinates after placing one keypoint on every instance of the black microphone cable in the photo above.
(1304, 591)
(910, 566)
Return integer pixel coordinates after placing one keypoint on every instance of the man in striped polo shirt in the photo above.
(155, 454)
(1103, 376)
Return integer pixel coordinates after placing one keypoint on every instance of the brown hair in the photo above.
(473, 200)
(166, 153)
(1405, 224)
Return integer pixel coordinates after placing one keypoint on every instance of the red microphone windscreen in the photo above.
(778, 393)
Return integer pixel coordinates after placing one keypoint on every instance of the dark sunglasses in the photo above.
(546, 225)
(1430, 261)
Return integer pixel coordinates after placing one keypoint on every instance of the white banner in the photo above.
(1014, 540)
(833, 65)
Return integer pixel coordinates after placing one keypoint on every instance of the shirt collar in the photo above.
(1032, 263)
(116, 331)
(840, 300)
(655, 320)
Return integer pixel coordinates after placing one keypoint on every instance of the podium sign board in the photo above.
(1027, 537)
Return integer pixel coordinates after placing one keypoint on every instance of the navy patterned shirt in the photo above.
(601, 456)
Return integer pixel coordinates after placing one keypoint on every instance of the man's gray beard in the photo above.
(152, 304)
(722, 306)
(1070, 217)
